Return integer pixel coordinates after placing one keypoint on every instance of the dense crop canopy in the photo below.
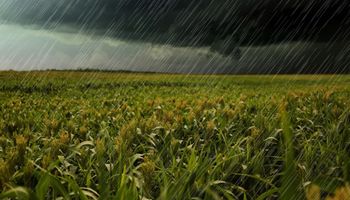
(135, 136)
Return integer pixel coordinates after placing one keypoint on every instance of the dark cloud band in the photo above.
(222, 24)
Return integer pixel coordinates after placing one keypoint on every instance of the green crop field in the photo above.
(98, 135)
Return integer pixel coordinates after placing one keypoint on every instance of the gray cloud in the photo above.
(26, 49)
(190, 22)
(132, 33)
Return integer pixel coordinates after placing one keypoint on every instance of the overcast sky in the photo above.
(202, 36)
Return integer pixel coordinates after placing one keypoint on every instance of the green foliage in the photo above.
(74, 135)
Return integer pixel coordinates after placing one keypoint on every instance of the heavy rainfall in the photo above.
(206, 36)
(175, 99)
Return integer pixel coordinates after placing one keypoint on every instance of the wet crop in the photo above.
(90, 135)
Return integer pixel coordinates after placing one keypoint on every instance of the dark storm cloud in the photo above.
(192, 22)
(258, 27)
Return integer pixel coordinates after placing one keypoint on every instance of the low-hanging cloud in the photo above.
(189, 22)
(25, 49)
(260, 35)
